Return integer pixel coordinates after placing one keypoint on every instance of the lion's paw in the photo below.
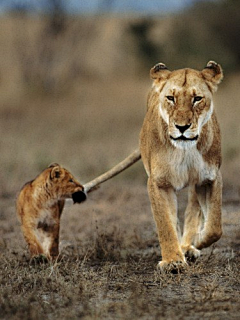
(191, 253)
(172, 267)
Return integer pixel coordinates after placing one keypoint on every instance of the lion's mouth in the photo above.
(183, 138)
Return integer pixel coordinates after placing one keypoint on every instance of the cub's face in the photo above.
(185, 101)
(64, 185)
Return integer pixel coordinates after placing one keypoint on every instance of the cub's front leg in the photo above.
(164, 207)
(54, 246)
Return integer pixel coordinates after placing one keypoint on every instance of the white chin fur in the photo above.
(183, 144)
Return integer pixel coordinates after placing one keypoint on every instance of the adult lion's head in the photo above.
(185, 100)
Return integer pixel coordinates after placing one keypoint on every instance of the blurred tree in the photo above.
(44, 61)
(146, 49)
(224, 19)
(214, 29)
(57, 16)
(207, 30)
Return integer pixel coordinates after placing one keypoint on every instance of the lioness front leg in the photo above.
(192, 225)
(212, 230)
(163, 201)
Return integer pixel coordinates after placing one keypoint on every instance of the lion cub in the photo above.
(39, 208)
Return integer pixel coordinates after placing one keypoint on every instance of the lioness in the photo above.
(39, 207)
(180, 146)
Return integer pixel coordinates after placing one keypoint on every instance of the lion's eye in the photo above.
(196, 99)
(170, 98)
(70, 180)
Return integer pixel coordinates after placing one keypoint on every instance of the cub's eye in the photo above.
(170, 98)
(71, 180)
(196, 99)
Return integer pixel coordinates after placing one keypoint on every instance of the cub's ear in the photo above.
(159, 71)
(54, 164)
(55, 173)
(213, 74)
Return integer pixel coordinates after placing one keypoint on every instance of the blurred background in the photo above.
(74, 78)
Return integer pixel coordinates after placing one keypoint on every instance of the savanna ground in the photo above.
(109, 245)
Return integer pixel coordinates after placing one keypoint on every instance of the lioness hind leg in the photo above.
(164, 209)
(192, 225)
(212, 195)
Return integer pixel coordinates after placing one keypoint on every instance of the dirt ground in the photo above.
(107, 270)
(109, 245)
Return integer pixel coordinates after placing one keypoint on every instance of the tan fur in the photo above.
(180, 146)
(39, 208)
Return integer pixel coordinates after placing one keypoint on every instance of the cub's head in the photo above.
(185, 100)
(64, 185)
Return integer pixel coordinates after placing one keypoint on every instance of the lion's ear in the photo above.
(213, 74)
(159, 71)
(54, 164)
(55, 173)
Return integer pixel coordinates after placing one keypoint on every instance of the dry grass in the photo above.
(107, 268)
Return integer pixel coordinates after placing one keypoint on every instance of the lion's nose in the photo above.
(183, 128)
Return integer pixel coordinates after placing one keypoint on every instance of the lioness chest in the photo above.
(187, 167)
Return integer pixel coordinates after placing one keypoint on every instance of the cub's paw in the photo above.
(191, 253)
(172, 267)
